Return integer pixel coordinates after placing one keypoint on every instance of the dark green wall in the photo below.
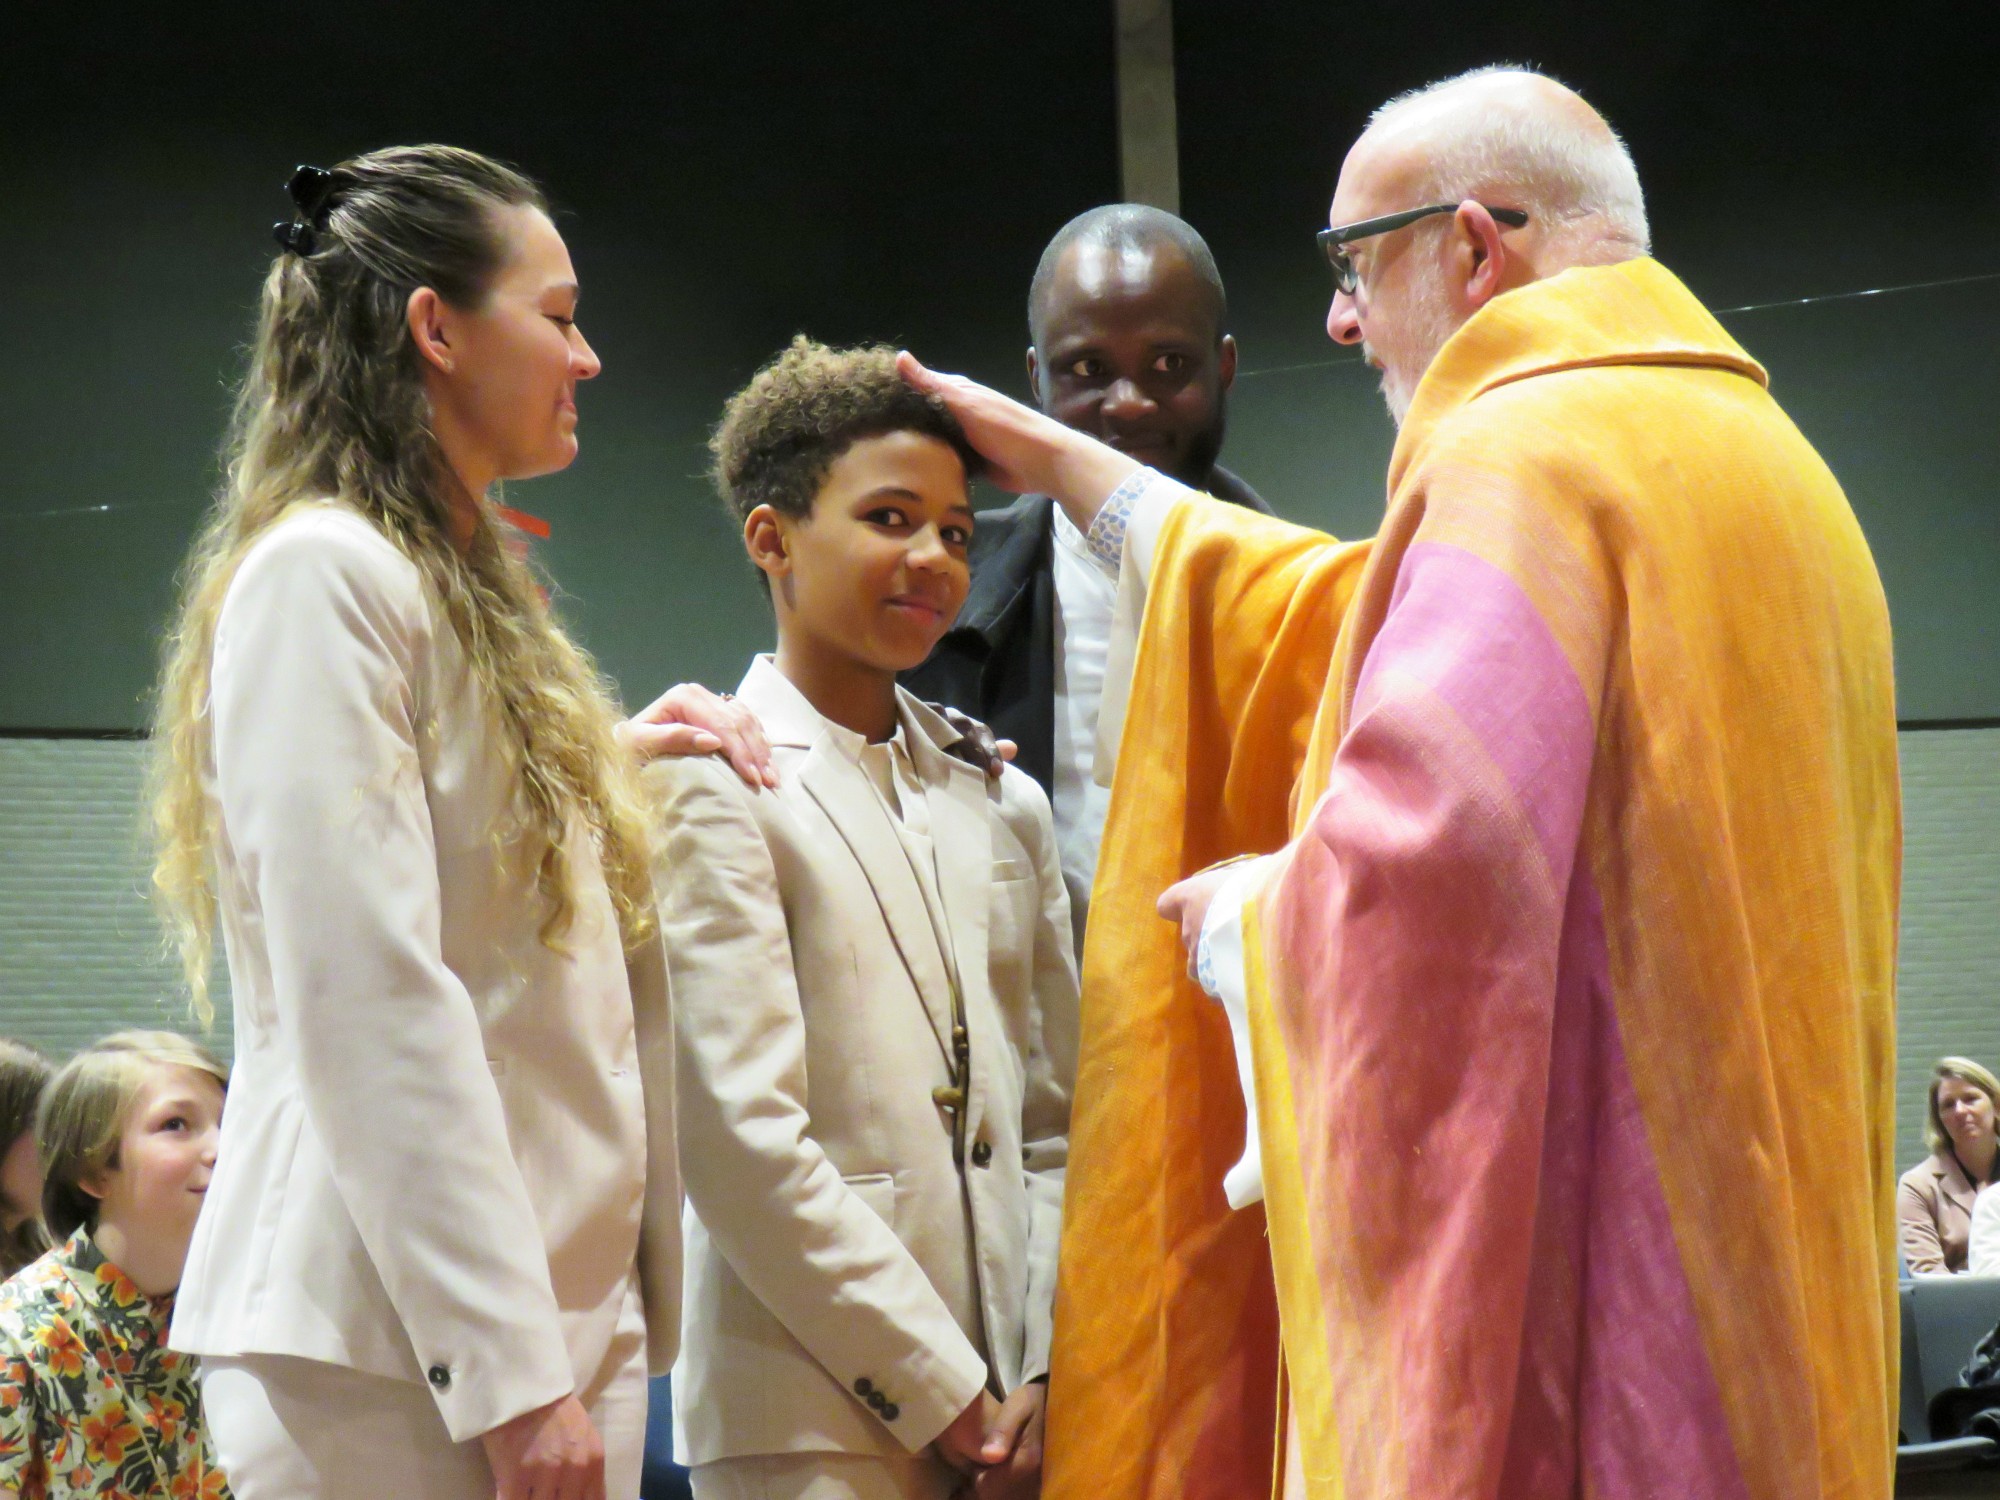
(732, 174)
(1784, 155)
(1898, 393)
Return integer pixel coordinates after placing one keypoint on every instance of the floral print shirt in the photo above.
(92, 1402)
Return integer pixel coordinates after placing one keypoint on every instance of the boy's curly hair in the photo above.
(781, 433)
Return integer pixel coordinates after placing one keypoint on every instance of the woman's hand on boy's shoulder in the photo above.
(688, 719)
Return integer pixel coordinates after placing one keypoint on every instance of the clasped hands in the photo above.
(997, 1445)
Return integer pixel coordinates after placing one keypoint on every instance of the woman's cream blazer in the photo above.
(446, 1144)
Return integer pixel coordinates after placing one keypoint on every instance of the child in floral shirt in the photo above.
(92, 1402)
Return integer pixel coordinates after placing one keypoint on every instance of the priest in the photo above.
(1563, 995)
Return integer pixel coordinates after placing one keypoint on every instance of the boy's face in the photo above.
(166, 1155)
(878, 571)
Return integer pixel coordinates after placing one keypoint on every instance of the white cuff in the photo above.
(1219, 965)
(1125, 534)
(1128, 522)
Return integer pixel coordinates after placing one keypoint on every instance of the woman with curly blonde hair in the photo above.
(445, 1217)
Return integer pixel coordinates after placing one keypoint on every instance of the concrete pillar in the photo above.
(1148, 133)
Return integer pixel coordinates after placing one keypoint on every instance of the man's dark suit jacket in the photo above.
(998, 663)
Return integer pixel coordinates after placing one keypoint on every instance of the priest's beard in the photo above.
(1422, 329)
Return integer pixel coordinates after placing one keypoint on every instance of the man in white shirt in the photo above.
(1127, 318)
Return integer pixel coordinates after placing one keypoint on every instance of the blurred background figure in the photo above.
(24, 1073)
(1934, 1201)
(92, 1401)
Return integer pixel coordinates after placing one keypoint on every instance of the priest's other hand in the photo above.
(1027, 451)
(690, 720)
(1187, 903)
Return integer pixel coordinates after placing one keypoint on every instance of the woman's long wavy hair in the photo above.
(333, 409)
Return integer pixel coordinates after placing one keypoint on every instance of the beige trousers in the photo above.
(825, 1476)
(296, 1429)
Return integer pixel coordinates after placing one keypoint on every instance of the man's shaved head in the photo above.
(1128, 344)
(1513, 136)
(1134, 227)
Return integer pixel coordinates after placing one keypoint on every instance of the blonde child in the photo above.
(92, 1402)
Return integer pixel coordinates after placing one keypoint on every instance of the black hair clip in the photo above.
(311, 190)
(295, 237)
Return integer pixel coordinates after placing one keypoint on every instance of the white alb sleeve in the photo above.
(1219, 967)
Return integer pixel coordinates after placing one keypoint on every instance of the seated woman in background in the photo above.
(92, 1402)
(24, 1072)
(1935, 1198)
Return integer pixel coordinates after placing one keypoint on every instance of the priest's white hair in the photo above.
(1561, 165)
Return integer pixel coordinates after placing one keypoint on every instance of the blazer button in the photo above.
(864, 1387)
(891, 1412)
(877, 1400)
(439, 1376)
(982, 1154)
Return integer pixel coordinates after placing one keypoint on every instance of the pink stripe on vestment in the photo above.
(1610, 1320)
(1617, 1395)
(1467, 629)
(1507, 1315)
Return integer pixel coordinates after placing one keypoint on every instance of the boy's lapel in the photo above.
(842, 791)
(958, 798)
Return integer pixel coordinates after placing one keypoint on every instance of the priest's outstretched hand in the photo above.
(1027, 452)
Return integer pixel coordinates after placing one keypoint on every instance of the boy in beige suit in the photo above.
(875, 1000)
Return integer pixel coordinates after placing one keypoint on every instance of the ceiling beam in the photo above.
(1149, 154)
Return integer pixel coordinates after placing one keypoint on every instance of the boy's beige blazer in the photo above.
(445, 1144)
(836, 1299)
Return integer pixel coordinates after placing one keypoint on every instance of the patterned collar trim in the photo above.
(133, 1321)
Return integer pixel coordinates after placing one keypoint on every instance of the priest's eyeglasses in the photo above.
(1334, 242)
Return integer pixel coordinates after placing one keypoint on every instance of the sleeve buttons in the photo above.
(982, 1154)
(439, 1377)
(878, 1403)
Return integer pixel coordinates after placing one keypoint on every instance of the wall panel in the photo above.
(80, 955)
